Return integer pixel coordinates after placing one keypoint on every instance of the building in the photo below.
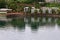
(52, 0)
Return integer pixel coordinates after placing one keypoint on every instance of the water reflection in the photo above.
(58, 21)
(18, 23)
(33, 22)
(2, 23)
(30, 28)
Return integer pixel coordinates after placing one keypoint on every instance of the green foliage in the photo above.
(12, 5)
(37, 5)
(3, 4)
(52, 5)
(46, 11)
(53, 11)
(19, 8)
(58, 11)
(26, 1)
(41, 11)
(35, 11)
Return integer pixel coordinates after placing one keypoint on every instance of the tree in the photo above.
(3, 4)
(41, 0)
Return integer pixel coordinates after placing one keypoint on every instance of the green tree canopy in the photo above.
(3, 4)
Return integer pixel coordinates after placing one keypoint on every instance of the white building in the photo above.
(52, 0)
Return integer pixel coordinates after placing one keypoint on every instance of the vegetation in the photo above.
(12, 5)
(47, 12)
(52, 5)
(3, 4)
(17, 7)
(37, 5)
(53, 11)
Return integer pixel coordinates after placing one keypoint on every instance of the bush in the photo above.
(19, 8)
(58, 11)
(47, 12)
(37, 5)
(35, 11)
(52, 5)
(41, 11)
(12, 6)
(53, 11)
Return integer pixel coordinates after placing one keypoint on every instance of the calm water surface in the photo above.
(30, 28)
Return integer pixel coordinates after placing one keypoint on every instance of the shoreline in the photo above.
(21, 14)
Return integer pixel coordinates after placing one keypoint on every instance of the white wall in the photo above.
(52, 0)
(49, 0)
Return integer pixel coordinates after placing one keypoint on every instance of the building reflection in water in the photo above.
(33, 22)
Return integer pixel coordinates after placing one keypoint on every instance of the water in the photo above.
(30, 28)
